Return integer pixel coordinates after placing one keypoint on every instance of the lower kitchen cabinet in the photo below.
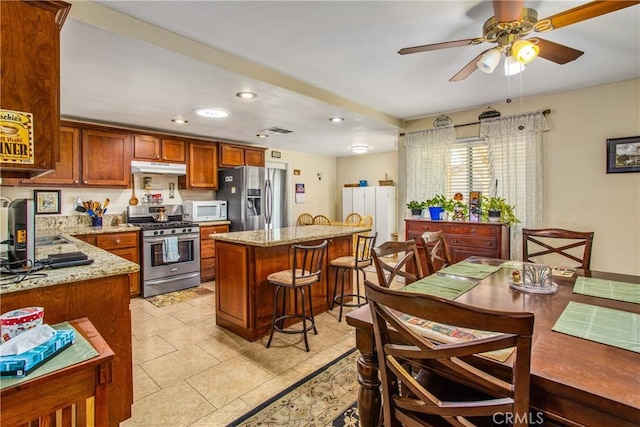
(208, 251)
(464, 239)
(124, 245)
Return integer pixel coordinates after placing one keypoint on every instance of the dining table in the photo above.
(574, 380)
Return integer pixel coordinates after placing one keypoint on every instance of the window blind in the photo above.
(469, 167)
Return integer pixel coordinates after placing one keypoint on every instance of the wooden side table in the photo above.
(63, 395)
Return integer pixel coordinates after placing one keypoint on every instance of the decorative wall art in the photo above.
(47, 201)
(623, 154)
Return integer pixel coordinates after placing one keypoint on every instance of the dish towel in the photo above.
(170, 249)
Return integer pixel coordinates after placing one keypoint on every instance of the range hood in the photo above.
(160, 168)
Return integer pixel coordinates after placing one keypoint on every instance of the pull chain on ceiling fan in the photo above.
(510, 23)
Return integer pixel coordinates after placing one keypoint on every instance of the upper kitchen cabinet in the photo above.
(106, 158)
(153, 148)
(202, 167)
(237, 155)
(30, 81)
(67, 170)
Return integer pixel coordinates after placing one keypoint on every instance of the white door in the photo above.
(347, 201)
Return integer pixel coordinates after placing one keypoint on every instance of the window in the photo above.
(469, 167)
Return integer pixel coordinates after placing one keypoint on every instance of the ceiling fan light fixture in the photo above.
(359, 149)
(512, 66)
(524, 51)
(489, 60)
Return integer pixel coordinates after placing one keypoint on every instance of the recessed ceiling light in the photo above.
(246, 95)
(213, 113)
(336, 119)
(359, 149)
(262, 135)
(179, 121)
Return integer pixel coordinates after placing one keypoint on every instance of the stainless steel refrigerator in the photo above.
(256, 197)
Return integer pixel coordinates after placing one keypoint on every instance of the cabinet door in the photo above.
(173, 151)
(231, 156)
(347, 202)
(385, 216)
(130, 254)
(146, 147)
(358, 200)
(253, 157)
(106, 158)
(67, 170)
(208, 251)
(202, 170)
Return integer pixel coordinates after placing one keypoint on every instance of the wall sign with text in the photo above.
(16, 137)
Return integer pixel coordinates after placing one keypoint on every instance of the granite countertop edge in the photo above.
(287, 235)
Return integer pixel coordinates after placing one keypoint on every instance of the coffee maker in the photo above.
(21, 233)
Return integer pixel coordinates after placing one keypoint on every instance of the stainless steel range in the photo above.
(170, 248)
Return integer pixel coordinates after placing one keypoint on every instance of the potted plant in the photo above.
(416, 208)
(436, 206)
(457, 208)
(497, 209)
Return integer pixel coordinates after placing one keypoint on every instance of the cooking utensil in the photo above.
(106, 203)
(133, 200)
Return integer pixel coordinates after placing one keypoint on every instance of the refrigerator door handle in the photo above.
(268, 202)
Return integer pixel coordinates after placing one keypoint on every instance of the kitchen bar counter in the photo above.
(244, 259)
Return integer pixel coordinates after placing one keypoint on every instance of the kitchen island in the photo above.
(99, 292)
(244, 259)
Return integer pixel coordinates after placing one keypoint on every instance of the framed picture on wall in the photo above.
(623, 154)
(47, 201)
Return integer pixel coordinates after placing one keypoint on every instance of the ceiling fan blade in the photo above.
(508, 10)
(468, 69)
(558, 53)
(436, 46)
(582, 13)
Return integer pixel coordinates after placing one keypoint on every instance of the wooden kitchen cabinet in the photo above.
(237, 155)
(106, 158)
(30, 76)
(464, 239)
(124, 245)
(154, 148)
(67, 170)
(208, 251)
(202, 167)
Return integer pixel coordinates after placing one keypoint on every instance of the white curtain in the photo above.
(516, 163)
(427, 162)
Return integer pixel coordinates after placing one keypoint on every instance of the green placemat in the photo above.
(620, 291)
(471, 270)
(603, 325)
(78, 352)
(440, 286)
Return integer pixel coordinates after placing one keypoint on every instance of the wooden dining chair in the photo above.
(547, 241)
(436, 251)
(304, 219)
(353, 219)
(426, 382)
(405, 266)
(366, 221)
(321, 220)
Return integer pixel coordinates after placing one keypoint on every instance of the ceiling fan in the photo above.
(510, 23)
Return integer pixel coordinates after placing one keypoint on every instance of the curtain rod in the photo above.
(545, 112)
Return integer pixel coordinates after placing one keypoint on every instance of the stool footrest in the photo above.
(311, 324)
(360, 300)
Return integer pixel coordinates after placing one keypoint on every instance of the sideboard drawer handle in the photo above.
(455, 240)
(488, 243)
(473, 230)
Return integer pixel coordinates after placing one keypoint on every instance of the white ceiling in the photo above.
(308, 61)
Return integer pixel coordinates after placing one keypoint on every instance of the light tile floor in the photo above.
(189, 372)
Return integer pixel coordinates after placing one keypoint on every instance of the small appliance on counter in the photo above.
(204, 210)
(21, 233)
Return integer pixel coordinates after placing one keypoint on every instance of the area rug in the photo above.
(176, 297)
(327, 397)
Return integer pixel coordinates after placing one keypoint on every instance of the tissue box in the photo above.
(20, 365)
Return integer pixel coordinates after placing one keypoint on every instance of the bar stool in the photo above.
(361, 259)
(307, 268)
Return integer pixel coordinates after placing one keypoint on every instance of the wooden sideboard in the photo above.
(464, 239)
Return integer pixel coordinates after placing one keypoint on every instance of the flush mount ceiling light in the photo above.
(489, 60)
(336, 119)
(212, 113)
(524, 51)
(262, 135)
(512, 66)
(359, 149)
(246, 95)
(179, 121)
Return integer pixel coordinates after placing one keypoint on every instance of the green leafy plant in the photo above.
(415, 205)
(438, 200)
(507, 214)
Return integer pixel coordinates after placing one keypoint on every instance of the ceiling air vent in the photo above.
(276, 129)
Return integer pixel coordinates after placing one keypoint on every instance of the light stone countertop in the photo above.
(287, 235)
(105, 264)
(209, 223)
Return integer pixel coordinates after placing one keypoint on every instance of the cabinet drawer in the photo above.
(473, 242)
(416, 228)
(207, 248)
(117, 240)
(470, 229)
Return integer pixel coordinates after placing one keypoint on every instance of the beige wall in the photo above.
(579, 194)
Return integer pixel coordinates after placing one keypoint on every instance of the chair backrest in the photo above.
(307, 262)
(304, 219)
(366, 221)
(321, 220)
(364, 248)
(436, 251)
(353, 219)
(406, 265)
(408, 398)
(540, 242)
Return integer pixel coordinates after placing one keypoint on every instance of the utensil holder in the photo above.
(96, 221)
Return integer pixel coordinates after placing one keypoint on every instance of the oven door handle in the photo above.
(182, 237)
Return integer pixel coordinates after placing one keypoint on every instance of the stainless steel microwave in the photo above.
(204, 210)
